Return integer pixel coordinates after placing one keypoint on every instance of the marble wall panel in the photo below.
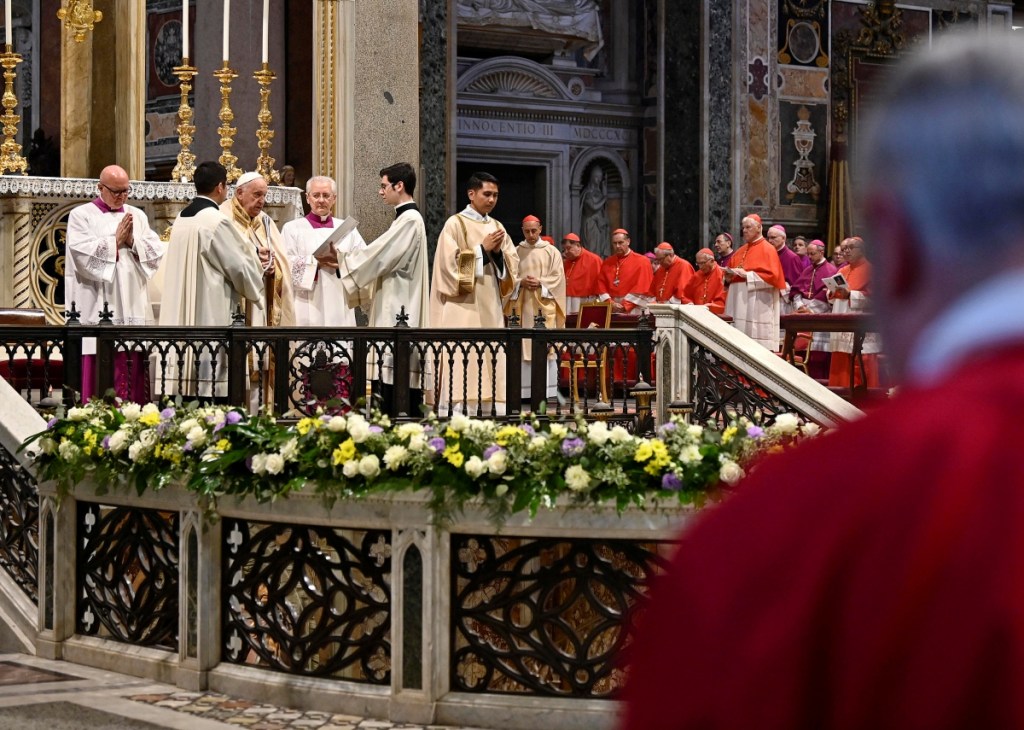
(720, 97)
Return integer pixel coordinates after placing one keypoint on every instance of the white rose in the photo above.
(558, 431)
(418, 443)
(408, 430)
(499, 491)
(149, 408)
(118, 440)
(78, 414)
(811, 429)
(576, 478)
(275, 463)
(197, 435)
(67, 450)
(619, 434)
(369, 466)
(459, 423)
(188, 424)
(290, 450)
(147, 439)
(787, 423)
(730, 473)
(537, 443)
(689, 455)
(336, 424)
(694, 431)
(259, 464)
(350, 468)
(135, 451)
(47, 445)
(475, 466)
(395, 456)
(598, 434)
(131, 411)
(498, 462)
(359, 430)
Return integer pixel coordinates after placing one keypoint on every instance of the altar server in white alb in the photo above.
(391, 272)
(319, 295)
(111, 255)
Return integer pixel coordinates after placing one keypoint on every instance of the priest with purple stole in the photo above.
(809, 295)
(112, 253)
(792, 264)
(320, 299)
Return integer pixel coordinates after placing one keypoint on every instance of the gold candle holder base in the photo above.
(186, 166)
(226, 75)
(265, 135)
(11, 159)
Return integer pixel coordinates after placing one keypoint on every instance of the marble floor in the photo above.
(38, 693)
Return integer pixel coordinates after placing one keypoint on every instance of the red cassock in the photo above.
(671, 281)
(581, 275)
(883, 592)
(628, 275)
(760, 257)
(707, 289)
(858, 277)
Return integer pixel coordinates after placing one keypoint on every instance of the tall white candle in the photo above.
(8, 23)
(266, 30)
(184, 29)
(227, 17)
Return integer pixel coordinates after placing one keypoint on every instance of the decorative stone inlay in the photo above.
(757, 79)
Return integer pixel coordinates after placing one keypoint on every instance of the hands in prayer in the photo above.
(124, 236)
(531, 282)
(493, 240)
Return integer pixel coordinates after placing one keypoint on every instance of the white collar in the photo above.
(471, 213)
(981, 318)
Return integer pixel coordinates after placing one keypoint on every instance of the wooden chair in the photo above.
(593, 315)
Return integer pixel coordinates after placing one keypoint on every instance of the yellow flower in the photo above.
(150, 419)
(644, 451)
(345, 452)
(223, 445)
(727, 434)
(306, 424)
(157, 450)
(89, 437)
(87, 450)
(507, 434)
(454, 456)
(653, 468)
(450, 434)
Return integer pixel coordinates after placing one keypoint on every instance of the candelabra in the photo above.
(10, 151)
(227, 133)
(186, 166)
(264, 135)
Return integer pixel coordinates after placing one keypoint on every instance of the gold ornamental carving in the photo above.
(186, 166)
(265, 135)
(227, 158)
(11, 159)
(79, 17)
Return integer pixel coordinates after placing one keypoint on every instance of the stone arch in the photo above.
(513, 76)
(619, 184)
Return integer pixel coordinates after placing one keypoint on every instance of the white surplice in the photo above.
(754, 308)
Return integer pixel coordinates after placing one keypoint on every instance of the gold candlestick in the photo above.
(186, 166)
(264, 135)
(10, 151)
(227, 133)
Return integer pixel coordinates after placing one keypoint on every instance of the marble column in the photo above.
(75, 105)
(130, 88)
(15, 237)
(437, 103)
(722, 213)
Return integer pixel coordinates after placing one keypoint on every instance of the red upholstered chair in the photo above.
(593, 315)
(29, 371)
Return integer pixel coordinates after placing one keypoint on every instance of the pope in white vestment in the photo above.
(111, 255)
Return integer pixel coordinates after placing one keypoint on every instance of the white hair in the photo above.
(946, 143)
(321, 178)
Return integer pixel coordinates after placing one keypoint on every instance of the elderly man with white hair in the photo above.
(319, 295)
(245, 210)
(755, 280)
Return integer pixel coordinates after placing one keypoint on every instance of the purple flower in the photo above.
(376, 429)
(52, 422)
(106, 443)
(671, 482)
(755, 432)
(573, 446)
(437, 444)
(187, 447)
(529, 429)
(667, 428)
(167, 413)
(234, 417)
(491, 450)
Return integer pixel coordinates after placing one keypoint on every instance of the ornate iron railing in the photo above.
(721, 393)
(19, 528)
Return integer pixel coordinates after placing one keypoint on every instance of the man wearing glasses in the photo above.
(111, 255)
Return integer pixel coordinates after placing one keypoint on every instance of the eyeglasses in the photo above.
(320, 196)
(112, 191)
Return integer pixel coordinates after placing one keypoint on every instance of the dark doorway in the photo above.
(523, 192)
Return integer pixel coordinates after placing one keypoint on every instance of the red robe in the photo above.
(760, 257)
(671, 281)
(633, 274)
(859, 279)
(882, 594)
(707, 289)
(581, 275)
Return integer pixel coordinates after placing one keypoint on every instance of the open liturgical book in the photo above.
(339, 233)
(834, 283)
